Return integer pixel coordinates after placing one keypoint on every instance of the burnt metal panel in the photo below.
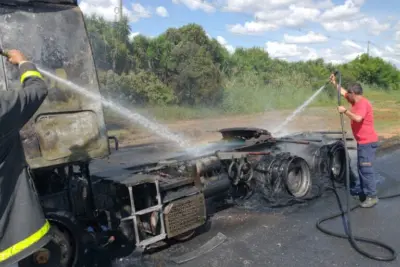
(68, 127)
(184, 215)
(243, 132)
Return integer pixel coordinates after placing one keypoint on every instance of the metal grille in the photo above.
(184, 215)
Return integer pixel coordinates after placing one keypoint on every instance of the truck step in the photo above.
(152, 240)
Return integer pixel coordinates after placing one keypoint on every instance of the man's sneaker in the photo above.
(358, 198)
(369, 202)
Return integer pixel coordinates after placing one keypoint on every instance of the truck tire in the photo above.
(65, 247)
(58, 252)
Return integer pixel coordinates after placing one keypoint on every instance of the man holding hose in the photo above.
(362, 125)
(23, 227)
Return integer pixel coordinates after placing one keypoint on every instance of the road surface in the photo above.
(283, 237)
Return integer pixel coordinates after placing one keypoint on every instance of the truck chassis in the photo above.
(155, 203)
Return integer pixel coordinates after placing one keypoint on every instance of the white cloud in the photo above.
(389, 54)
(389, 49)
(370, 24)
(224, 43)
(352, 44)
(196, 5)
(273, 14)
(374, 26)
(351, 56)
(341, 12)
(271, 20)
(348, 17)
(105, 8)
(133, 35)
(252, 27)
(290, 51)
(347, 51)
(276, 49)
(109, 10)
(251, 6)
(343, 26)
(397, 36)
(322, 4)
(310, 37)
(139, 12)
(162, 11)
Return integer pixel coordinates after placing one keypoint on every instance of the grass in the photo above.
(248, 95)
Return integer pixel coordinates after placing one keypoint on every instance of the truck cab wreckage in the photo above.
(146, 204)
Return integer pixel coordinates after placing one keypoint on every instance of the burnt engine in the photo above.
(172, 199)
(285, 170)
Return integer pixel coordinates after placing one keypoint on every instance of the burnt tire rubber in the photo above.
(337, 163)
(58, 252)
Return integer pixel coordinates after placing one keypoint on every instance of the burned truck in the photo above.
(143, 205)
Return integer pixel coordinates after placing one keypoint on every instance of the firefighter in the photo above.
(23, 227)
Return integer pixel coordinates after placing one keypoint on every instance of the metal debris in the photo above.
(207, 247)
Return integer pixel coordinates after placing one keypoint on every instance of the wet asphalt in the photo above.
(281, 237)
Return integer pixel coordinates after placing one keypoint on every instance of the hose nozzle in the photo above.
(3, 52)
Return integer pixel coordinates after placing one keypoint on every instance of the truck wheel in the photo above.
(58, 252)
(298, 178)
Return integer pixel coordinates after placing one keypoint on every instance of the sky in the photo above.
(337, 31)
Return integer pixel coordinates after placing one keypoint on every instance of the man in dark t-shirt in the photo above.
(362, 125)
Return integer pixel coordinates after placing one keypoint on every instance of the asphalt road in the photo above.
(284, 237)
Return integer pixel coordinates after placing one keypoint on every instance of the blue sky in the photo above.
(293, 30)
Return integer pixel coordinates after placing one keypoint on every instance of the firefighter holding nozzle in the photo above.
(362, 125)
(23, 227)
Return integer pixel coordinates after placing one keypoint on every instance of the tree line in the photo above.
(183, 66)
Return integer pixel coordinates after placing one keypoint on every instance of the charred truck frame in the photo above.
(151, 203)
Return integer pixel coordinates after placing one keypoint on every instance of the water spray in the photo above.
(352, 239)
(301, 108)
(162, 131)
(133, 116)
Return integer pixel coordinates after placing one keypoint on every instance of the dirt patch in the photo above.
(384, 109)
(313, 119)
(204, 130)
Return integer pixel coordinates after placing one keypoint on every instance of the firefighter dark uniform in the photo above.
(23, 227)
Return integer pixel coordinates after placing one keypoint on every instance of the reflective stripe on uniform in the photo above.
(30, 73)
(23, 244)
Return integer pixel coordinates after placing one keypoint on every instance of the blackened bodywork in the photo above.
(68, 127)
(148, 204)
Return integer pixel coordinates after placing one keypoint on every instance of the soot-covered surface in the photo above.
(288, 236)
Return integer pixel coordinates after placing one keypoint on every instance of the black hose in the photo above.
(352, 239)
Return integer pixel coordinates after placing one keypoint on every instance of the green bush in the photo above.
(182, 73)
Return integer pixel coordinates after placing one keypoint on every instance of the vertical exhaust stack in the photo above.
(68, 127)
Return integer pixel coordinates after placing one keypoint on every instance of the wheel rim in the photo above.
(337, 163)
(58, 252)
(298, 179)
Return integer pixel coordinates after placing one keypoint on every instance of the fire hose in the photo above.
(352, 239)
